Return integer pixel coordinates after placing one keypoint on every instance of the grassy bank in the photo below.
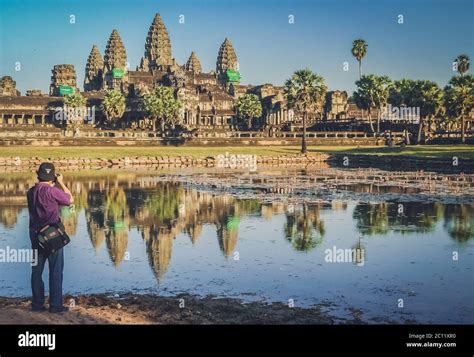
(108, 152)
(417, 151)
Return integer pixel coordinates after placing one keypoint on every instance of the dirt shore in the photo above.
(148, 309)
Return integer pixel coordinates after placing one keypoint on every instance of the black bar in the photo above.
(240, 338)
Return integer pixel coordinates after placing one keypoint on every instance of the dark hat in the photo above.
(46, 172)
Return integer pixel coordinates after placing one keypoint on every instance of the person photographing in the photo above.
(48, 236)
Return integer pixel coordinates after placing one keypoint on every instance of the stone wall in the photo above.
(20, 164)
(50, 136)
(45, 140)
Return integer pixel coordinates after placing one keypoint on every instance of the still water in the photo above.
(381, 260)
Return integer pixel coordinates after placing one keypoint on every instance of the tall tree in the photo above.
(113, 106)
(359, 50)
(163, 107)
(372, 92)
(462, 64)
(305, 92)
(428, 96)
(75, 100)
(74, 110)
(459, 100)
(400, 96)
(249, 107)
(401, 93)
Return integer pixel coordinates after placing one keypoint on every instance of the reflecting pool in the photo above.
(389, 260)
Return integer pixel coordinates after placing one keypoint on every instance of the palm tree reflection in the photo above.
(372, 219)
(459, 222)
(304, 228)
(9, 215)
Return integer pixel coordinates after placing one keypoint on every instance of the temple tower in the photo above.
(63, 80)
(8, 87)
(227, 66)
(115, 63)
(336, 105)
(193, 64)
(94, 71)
(157, 47)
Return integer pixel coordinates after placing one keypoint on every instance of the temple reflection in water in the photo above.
(113, 204)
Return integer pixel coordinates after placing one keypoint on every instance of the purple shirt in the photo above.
(43, 204)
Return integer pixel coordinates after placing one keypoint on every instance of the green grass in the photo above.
(418, 151)
(110, 152)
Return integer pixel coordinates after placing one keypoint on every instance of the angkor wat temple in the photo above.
(208, 98)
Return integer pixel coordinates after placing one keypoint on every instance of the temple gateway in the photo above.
(208, 98)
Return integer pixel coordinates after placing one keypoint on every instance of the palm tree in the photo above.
(428, 96)
(162, 105)
(305, 91)
(74, 106)
(359, 50)
(425, 95)
(372, 91)
(401, 95)
(459, 100)
(462, 64)
(113, 105)
(249, 107)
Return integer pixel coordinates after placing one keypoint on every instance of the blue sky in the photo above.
(38, 35)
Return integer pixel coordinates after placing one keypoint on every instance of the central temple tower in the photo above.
(157, 47)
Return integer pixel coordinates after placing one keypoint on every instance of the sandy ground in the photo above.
(147, 309)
